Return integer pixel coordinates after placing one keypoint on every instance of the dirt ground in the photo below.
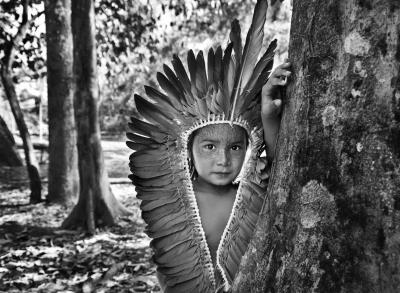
(37, 256)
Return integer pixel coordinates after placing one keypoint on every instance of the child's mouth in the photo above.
(222, 173)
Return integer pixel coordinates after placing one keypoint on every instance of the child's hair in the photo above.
(204, 130)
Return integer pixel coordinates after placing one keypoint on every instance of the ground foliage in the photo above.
(37, 256)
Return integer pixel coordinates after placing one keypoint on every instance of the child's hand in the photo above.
(271, 92)
(271, 105)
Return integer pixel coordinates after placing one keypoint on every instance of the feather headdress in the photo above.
(225, 89)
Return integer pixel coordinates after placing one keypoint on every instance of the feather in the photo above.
(141, 146)
(175, 82)
(236, 39)
(172, 93)
(159, 181)
(169, 257)
(227, 75)
(259, 77)
(154, 193)
(157, 170)
(140, 139)
(210, 69)
(161, 99)
(166, 220)
(183, 78)
(146, 129)
(229, 81)
(189, 286)
(201, 76)
(165, 212)
(216, 105)
(148, 172)
(264, 61)
(192, 65)
(148, 205)
(165, 232)
(178, 270)
(226, 61)
(218, 67)
(251, 49)
(148, 157)
(250, 96)
(201, 107)
(153, 113)
(164, 244)
(192, 275)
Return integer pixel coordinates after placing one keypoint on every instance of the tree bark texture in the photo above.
(63, 163)
(331, 220)
(9, 88)
(97, 206)
(8, 151)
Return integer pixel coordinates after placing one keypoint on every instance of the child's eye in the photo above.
(209, 146)
(236, 147)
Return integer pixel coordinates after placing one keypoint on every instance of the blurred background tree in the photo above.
(9, 51)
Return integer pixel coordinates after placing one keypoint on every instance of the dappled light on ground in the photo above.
(37, 256)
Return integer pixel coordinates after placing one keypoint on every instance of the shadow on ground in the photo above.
(37, 256)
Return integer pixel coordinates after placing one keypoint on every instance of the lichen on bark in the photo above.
(331, 220)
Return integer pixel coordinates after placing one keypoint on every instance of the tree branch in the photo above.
(10, 49)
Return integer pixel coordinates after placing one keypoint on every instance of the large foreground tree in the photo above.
(330, 222)
(63, 166)
(97, 205)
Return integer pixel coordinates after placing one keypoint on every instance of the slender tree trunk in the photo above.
(274, 8)
(97, 205)
(8, 151)
(9, 88)
(63, 163)
(331, 219)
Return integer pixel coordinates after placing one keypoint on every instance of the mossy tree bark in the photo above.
(9, 88)
(331, 220)
(97, 205)
(63, 162)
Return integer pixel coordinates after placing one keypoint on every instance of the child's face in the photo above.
(218, 153)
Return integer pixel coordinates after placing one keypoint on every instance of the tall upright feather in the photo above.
(201, 76)
(192, 66)
(183, 77)
(218, 66)
(258, 78)
(236, 39)
(227, 73)
(210, 68)
(267, 57)
(251, 49)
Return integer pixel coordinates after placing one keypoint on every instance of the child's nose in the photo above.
(224, 158)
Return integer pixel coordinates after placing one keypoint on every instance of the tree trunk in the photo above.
(331, 219)
(274, 8)
(9, 88)
(8, 151)
(97, 206)
(63, 163)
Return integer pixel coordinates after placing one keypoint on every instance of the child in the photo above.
(218, 152)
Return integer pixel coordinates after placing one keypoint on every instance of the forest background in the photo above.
(134, 39)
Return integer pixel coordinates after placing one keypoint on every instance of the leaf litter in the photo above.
(36, 255)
